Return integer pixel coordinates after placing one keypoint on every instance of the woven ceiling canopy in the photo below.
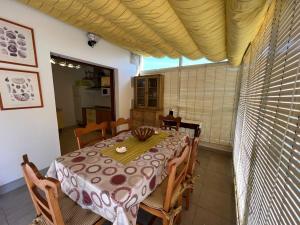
(215, 29)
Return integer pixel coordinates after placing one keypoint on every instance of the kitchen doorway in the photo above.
(84, 93)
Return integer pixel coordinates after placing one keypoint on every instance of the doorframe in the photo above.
(114, 72)
(112, 95)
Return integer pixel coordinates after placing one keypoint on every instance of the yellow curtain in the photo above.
(243, 20)
(216, 29)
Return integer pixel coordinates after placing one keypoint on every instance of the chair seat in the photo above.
(156, 199)
(72, 213)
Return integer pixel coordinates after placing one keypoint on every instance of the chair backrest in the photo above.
(44, 193)
(91, 127)
(117, 126)
(177, 170)
(170, 122)
(193, 156)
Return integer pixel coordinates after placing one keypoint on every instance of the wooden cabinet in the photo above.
(148, 100)
(103, 115)
(141, 117)
(96, 115)
(148, 92)
(90, 115)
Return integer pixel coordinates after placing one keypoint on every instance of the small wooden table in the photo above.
(193, 126)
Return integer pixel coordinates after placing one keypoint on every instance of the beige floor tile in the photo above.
(203, 158)
(187, 216)
(220, 164)
(3, 219)
(219, 203)
(218, 182)
(195, 195)
(67, 140)
(16, 207)
(206, 217)
(228, 222)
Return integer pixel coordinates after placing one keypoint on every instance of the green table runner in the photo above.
(134, 147)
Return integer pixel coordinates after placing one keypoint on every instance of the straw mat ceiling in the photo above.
(215, 29)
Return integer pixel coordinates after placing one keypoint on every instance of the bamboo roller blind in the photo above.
(204, 94)
(266, 146)
(216, 29)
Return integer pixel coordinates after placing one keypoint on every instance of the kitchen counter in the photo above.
(104, 108)
(96, 114)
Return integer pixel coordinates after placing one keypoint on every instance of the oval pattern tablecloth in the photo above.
(109, 188)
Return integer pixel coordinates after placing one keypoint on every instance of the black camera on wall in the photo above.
(92, 39)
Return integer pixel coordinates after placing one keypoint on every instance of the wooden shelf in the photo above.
(147, 108)
(151, 84)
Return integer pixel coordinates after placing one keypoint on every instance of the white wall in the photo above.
(34, 131)
(64, 78)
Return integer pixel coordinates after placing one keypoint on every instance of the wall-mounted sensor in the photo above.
(92, 39)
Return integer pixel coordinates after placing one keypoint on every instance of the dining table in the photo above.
(113, 184)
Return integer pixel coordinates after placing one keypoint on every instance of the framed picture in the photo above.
(17, 45)
(19, 89)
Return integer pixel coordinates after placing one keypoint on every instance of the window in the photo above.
(266, 146)
(189, 62)
(205, 95)
(152, 63)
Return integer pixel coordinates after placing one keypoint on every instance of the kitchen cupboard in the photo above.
(148, 100)
(96, 114)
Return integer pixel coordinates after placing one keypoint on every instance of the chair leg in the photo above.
(100, 222)
(151, 222)
(187, 199)
(179, 204)
(165, 221)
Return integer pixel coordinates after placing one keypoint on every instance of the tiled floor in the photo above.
(68, 141)
(212, 202)
(16, 208)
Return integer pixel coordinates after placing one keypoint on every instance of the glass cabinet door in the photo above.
(141, 92)
(152, 92)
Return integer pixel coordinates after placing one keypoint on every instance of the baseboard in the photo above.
(237, 213)
(215, 147)
(16, 183)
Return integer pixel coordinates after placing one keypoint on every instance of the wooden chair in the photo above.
(51, 205)
(115, 126)
(166, 201)
(91, 127)
(189, 182)
(169, 122)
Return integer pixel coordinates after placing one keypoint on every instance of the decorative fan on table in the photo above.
(142, 133)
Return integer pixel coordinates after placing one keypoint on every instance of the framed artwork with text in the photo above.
(19, 89)
(17, 44)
